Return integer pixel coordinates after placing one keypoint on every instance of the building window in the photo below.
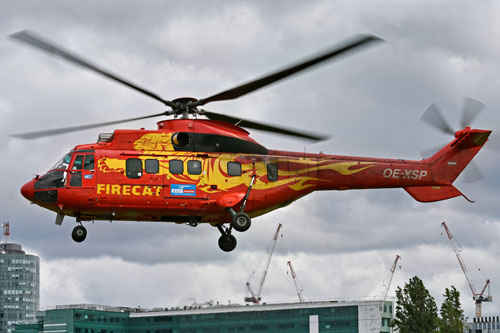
(234, 168)
(176, 167)
(272, 172)
(152, 166)
(133, 168)
(194, 167)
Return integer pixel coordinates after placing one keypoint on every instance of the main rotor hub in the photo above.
(184, 106)
(184, 100)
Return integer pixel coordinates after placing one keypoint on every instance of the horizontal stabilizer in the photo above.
(434, 193)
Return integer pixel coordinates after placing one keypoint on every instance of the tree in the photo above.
(452, 316)
(416, 310)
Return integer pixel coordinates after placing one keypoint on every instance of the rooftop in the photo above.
(212, 307)
(11, 248)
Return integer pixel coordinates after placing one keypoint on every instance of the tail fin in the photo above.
(448, 163)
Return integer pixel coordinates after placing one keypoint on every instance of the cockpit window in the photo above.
(78, 163)
(89, 162)
(63, 163)
(52, 179)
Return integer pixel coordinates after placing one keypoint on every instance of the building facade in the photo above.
(484, 324)
(19, 286)
(315, 317)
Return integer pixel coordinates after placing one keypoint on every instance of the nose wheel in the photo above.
(79, 233)
(227, 242)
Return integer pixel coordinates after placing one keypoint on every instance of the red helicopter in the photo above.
(196, 171)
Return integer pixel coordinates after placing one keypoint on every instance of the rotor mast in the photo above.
(479, 298)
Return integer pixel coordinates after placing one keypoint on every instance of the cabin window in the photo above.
(88, 163)
(176, 167)
(194, 167)
(133, 168)
(152, 166)
(272, 172)
(234, 168)
(78, 163)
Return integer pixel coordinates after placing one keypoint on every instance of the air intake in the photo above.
(105, 137)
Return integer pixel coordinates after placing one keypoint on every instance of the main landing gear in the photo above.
(79, 233)
(240, 222)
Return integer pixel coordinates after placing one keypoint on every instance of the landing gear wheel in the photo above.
(79, 233)
(241, 222)
(227, 243)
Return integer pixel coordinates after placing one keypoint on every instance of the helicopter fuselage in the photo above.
(197, 171)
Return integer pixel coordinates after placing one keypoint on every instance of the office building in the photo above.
(19, 286)
(363, 316)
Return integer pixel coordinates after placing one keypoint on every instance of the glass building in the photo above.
(316, 317)
(19, 286)
(483, 324)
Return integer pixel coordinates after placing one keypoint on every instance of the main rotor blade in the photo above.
(470, 111)
(39, 134)
(248, 87)
(433, 117)
(32, 39)
(260, 126)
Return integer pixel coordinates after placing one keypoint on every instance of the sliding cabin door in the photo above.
(185, 185)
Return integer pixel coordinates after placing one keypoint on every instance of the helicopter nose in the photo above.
(28, 190)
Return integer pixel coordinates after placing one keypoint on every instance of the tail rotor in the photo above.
(434, 117)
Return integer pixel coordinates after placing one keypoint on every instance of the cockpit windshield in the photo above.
(63, 163)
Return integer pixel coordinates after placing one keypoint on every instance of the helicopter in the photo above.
(193, 171)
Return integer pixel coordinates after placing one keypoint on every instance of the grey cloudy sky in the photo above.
(341, 243)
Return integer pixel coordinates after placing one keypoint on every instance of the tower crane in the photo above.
(479, 298)
(295, 279)
(391, 273)
(255, 297)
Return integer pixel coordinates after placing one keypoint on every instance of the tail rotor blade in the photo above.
(471, 110)
(433, 117)
(494, 142)
(472, 173)
(430, 151)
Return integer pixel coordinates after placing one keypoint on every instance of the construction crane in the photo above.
(255, 297)
(479, 298)
(295, 279)
(391, 273)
